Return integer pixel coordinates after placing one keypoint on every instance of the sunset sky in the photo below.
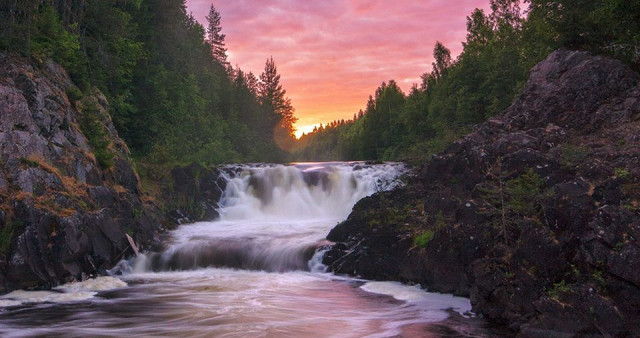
(333, 54)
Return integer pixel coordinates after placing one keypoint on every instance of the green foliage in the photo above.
(558, 289)
(598, 277)
(7, 232)
(29, 163)
(6, 235)
(74, 93)
(97, 136)
(451, 98)
(572, 155)
(423, 239)
(524, 193)
(501, 47)
(171, 99)
(622, 173)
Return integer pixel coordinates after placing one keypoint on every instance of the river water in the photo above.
(255, 272)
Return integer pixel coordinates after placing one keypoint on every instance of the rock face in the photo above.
(64, 214)
(194, 193)
(535, 215)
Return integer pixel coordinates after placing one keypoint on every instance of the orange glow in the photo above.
(333, 54)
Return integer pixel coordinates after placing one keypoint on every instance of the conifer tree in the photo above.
(215, 37)
(273, 99)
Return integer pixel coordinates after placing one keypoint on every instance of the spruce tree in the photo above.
(215, 38)
(273, 99)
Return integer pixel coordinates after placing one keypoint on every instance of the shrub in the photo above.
(74, 94)
(98, 138)
(524, 193)
(558, 289)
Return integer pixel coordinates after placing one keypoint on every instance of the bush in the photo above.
(524, 193)
(558, 289)
(98, 138)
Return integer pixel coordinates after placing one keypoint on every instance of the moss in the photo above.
(622, 173)
(440, 221)
(599, 279)
(29, 162)
(571, 155)
(423, 239)
(6, 234)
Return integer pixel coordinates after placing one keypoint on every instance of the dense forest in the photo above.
(174, 97)
(500, 49)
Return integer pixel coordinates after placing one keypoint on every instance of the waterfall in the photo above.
(273, 217)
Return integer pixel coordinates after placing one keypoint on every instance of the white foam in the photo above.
(280, 192)
(414, 294)
(21, 297)
(70, 292)
(95, 284)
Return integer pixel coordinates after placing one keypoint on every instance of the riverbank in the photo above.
(534, 215)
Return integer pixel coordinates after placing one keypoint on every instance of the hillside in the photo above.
(535, 214)
(69, 196)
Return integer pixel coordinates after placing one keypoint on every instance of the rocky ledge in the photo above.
(535, 215)
(70, 201)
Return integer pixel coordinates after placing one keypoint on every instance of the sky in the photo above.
(333, 54)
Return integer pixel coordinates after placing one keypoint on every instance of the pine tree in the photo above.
(215, 38)
(273, 99)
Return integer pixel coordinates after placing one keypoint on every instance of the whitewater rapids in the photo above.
(256, 271)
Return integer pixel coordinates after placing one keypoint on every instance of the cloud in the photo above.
(333, 54)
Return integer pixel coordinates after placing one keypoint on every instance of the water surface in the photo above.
(255, 272)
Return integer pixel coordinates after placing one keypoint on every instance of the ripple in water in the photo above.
(256, 272)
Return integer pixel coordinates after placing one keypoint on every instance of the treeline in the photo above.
(174, 97)
(500, 49)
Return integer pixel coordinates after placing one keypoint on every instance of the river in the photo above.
(255, 272)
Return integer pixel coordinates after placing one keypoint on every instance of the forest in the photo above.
(176, 99)
(173, 95)
(500, 48)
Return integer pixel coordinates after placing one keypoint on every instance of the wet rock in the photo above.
(534, 216)
(195, 193)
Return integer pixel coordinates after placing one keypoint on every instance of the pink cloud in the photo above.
(332, 54)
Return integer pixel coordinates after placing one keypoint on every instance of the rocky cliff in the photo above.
(70, 201)
(535, 215)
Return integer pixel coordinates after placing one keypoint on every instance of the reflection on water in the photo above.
(236, 303)
(255, 273)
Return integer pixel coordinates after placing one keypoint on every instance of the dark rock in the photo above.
(535, 215)
(67, 217)
(195, 193)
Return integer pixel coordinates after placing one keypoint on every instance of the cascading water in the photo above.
(254, 272)
(273, 218)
